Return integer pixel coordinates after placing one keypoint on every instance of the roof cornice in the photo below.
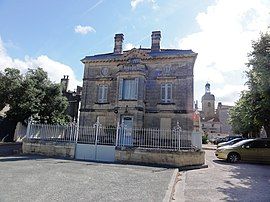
(121, 59)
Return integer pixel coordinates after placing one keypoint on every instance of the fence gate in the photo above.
(96, 143)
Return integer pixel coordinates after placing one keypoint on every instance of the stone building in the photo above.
(73, 97)
(223, 116)
(141, 87)
(208, 104)
(214, 121)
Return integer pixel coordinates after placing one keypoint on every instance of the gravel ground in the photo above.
(35, 178)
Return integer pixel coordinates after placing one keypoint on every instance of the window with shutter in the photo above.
(102, 93)
(128, 89)
(166, 92)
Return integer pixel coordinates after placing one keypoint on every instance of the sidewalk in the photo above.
(209, 147)
(223, 181)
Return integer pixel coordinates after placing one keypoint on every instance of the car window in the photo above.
(242, 142)
(258, 144)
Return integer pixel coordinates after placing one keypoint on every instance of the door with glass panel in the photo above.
(126, 132)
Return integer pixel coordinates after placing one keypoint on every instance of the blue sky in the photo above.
(55, 35)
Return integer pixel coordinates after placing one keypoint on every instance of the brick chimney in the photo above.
(118, 41)
(156, 35)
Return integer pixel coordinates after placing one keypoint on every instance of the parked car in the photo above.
(227, 138)
(252, 150)
(231, 142)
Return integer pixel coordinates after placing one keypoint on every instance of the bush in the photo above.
(204, 140)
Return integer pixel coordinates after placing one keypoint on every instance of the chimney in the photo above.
(156, 35)
(64, 83)
(118, 41)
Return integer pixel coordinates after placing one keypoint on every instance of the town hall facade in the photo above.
(141, 87)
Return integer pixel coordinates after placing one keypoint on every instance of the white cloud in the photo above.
(228, 94)
(128, 46)
(84, 29)
(135, 3)
(55, 69)
(224, 40)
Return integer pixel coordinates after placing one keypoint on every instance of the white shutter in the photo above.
(136, 88)
(163, 92)
(169, 92)
(100, 93)
(120, 89)
(105, 93)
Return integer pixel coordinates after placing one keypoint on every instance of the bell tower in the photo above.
(208, 103)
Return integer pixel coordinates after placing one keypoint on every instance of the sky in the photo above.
(56, 35)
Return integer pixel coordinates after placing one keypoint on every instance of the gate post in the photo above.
(117, 134)
(178, 130)
(97, 125)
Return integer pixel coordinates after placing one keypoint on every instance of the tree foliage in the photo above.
(252, 111)
(242, 118)
(32, 94)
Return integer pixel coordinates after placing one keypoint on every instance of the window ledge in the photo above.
(128, 100)
(102, 103)
(166, 103)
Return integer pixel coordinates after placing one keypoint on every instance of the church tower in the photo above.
(208, 103)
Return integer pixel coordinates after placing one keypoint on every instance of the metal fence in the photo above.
(121, 136)
(97, 135)
(47, 132)
(174, 139)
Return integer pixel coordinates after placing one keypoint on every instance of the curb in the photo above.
(184, 168)
(170, 190)
(180, 186)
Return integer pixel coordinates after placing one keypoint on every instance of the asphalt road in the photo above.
(46, 179)
(222, 181)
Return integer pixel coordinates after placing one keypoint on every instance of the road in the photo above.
(28, 178)
(222, 181)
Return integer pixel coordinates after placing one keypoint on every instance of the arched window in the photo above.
(209, 104)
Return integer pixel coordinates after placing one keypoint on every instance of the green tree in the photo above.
(32, 94)
(257, 99)
(242, 118)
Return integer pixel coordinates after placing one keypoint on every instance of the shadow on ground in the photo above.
(21, 158)
(251, 182)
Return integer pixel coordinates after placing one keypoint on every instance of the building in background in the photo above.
(208, 104)
(141, 87)
(214, 121)
(223, 116)
(73, 97)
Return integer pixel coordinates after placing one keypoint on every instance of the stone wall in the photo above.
(128, 155)
(160, 157)
(66, 150)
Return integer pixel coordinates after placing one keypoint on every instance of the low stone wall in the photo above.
(52, 149)
(123, 155)
(160, 157)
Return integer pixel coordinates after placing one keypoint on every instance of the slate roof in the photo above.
(162, 52)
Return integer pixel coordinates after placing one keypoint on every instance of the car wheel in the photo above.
(233, 157)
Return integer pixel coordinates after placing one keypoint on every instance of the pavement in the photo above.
(36, 178)
(222, 181)
(209, 147)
